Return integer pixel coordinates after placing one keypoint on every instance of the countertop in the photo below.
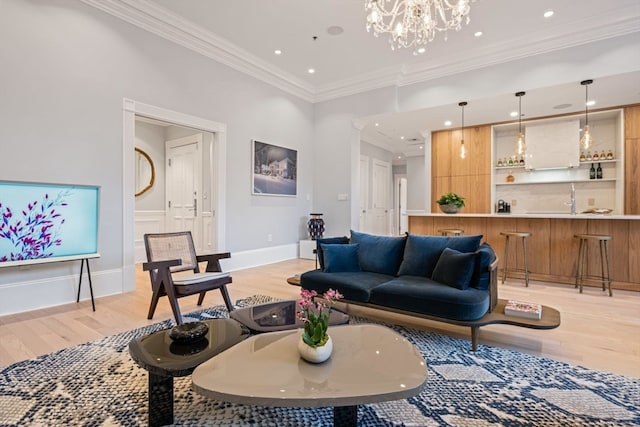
(530, 215)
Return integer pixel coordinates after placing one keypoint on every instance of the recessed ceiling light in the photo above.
(311, 70)
(402, 137)
(377, 124)
(477, 33)
(421, 147)
(277, 52)
(514, 114)
(548, 14)
(422, 49)
(447, 123)
(590, 103)
(399, 157)
(335, 30)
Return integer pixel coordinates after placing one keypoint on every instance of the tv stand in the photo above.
(82, 262)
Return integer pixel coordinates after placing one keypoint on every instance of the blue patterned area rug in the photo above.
(97, 384)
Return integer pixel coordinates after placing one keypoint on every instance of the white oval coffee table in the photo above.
(370, 363)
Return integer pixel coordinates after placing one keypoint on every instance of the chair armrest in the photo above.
(159, 265)
(213, 261)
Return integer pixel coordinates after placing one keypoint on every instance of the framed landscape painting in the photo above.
(275, 170)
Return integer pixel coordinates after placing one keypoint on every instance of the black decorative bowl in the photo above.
(188, 332)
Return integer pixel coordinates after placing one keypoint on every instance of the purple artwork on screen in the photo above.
(35, 232)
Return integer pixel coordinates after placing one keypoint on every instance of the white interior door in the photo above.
(183, 186)
(381, 204)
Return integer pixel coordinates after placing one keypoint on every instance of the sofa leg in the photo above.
(474, 338)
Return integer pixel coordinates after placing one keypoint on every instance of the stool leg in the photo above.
(579, 266)
(606, 256)
(526, 267)
(602, 264)
(506, 259)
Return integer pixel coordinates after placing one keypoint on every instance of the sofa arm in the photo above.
(493, 285)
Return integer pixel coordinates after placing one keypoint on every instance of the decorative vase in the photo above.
(315, 354)
(449, 208)
(316, 226)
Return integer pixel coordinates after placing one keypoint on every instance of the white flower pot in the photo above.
(315, 354)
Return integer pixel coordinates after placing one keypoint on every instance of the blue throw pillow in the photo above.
(328, 241)
(379, 254)
(455, 268)
(422, 252)
(340, 258)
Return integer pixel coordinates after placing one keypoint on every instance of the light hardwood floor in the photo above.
(597, 331)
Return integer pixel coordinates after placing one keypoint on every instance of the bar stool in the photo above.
(450, 232)
(581, 276)
(523, 235)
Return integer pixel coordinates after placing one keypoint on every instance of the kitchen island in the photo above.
(552, 251)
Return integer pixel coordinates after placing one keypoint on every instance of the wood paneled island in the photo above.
(552, 250)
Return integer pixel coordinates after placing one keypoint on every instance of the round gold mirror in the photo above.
(145, 172)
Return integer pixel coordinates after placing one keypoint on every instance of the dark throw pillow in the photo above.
(379, 254)
(328, 241)
(422, 252)
(340, 258)
(455, 268)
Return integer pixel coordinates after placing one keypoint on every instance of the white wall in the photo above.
(150, 138)
(66, 68)
(416, 184)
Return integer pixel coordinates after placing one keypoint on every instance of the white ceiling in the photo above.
(244, 34)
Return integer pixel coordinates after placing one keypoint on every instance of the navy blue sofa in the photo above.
(446, 278)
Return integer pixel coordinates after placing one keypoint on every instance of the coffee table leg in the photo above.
(345, 416)
(160, 400)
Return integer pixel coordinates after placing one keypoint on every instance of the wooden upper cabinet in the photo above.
(469, 177)
(632, 160)
(632, 122)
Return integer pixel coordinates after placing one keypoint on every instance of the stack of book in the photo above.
(523, 309)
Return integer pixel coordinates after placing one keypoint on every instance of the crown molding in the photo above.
(157, 20)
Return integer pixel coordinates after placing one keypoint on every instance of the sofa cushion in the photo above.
(379, 254)
(481, 277)
(328, 241)
(425, 296)
(455, 268)
(421, 253)
(355, 286)
(340, 258)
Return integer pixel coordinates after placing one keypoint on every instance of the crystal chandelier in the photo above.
(414, 23)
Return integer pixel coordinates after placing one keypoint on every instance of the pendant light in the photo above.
(463, 149)
(586, 141)
(520, 146)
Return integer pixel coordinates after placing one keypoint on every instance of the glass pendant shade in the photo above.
(520, 147)
(463, 149)
(586, 141)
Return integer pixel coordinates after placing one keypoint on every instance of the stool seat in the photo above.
(593, 236)
(523, 235)
(516, 233)
(450, 231)
(581, 276)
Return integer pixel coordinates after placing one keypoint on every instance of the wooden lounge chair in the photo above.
(171, 254)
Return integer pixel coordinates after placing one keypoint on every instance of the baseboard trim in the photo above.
(257, 257)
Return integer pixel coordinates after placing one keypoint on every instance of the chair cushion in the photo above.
(379, 254)
(340, 258)
(328, 241)
(421, 253)
(190, 279)
(455, 268)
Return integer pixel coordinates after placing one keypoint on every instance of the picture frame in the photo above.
(274, 170)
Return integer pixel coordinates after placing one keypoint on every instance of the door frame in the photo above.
(131, 109)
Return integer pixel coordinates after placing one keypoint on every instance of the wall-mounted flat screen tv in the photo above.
(42, 222)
